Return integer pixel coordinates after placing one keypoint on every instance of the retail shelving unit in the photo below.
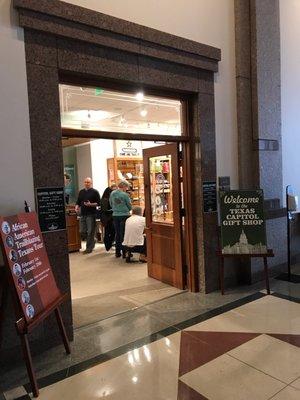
(131, 170)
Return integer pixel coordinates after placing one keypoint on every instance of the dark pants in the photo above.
(87, 228)
(137, 249)
(119, 224)
(109, 235)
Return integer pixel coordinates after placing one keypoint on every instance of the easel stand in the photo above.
(244, 256)
(41, 298)
(24, 328)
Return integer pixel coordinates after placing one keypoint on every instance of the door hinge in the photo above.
(183, 212)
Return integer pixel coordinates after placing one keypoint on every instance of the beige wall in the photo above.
(206, 21)
(210, 22)
(290, 91)
(16, 182)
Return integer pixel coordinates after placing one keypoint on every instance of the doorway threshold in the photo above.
(132, 300)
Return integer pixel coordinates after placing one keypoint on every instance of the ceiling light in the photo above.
(139, 96)
(143, 112)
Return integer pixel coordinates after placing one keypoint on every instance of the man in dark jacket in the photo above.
(88, 200)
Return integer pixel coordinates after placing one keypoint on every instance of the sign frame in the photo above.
(12, 246)
(62, 211)
(209, 192)
(265, 253)
(243, 225)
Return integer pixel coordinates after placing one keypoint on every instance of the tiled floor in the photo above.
(226, 323)
(250, 352)
(103, 286)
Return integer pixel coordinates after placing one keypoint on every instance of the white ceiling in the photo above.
(101, 109)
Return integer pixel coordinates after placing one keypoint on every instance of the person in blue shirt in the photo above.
(121, 206)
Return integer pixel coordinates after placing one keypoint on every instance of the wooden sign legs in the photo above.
(264, 256)
(29, 364)
(62, 330)
(24, 328)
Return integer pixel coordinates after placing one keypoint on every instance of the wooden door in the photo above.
(162, 210)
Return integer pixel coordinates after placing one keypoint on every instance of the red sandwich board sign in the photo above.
(31, 279)
(28, 263)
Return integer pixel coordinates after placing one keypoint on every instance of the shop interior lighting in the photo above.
(139, 96)
(143, 112)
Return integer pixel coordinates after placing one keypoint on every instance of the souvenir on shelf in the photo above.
(161, 189)
(131, 170)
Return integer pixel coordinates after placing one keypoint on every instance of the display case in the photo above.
(161, 189)
(131, 170)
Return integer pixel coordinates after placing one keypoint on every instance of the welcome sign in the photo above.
(243, 228)
(28, 263)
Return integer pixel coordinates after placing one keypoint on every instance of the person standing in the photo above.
(107, 219)
(88, 200)
(121, 205)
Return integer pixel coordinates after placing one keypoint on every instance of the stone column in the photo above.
(257, 31)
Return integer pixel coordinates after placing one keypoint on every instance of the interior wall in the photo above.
(84, 163)
(210, 22)
(101, 150)
(290, 89)
(16, 179)
(192, 19)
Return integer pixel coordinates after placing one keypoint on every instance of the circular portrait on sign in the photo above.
(9, 241)
(13, 255)
(30, 311)
(17, 270)
(21, 283)
(25, 297)
(5, 227)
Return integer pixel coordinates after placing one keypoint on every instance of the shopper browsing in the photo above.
(107, 219)
(121, 205)
(88, 200)
(134, 238)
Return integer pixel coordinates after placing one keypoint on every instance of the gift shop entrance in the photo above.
(126, 169)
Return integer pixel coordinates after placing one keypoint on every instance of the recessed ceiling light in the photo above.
(143, 112)
(139, 96)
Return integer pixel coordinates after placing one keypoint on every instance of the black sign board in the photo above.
(243, 228)
(51, 208)
(209, 196)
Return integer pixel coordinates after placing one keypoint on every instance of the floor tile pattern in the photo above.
(234, 355)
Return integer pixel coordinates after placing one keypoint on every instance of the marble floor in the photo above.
(103, 286)
(249, 352)
(166, 344)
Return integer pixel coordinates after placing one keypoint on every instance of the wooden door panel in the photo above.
(162, 257)
(165, 275)
(162, 193)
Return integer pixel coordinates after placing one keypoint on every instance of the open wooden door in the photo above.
(163, 220)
